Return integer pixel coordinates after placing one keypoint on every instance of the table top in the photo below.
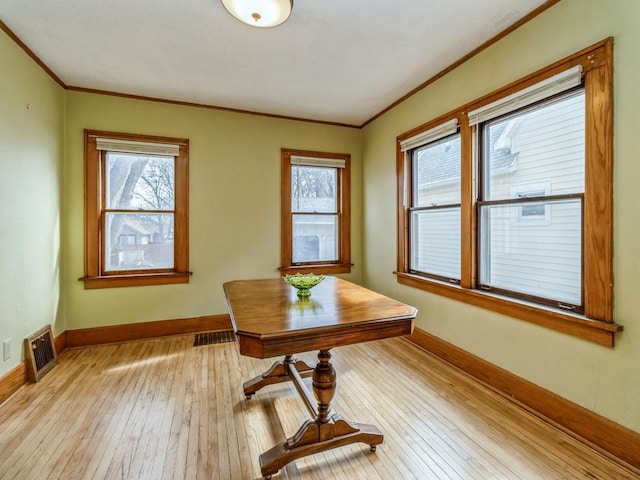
(271, 320)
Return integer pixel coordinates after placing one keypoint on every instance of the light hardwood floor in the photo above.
(163, 409)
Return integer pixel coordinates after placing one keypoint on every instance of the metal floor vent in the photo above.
(212, 338)
(40, 354)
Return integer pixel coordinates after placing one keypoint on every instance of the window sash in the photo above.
(317, 200)
(147, 255)
(438, 191)
(550, 155)
(551, 131)
(134, 261)
(435, 247)
(324, 232)
(537, 261)
(109, 159)
(434, 209)
(316, 224)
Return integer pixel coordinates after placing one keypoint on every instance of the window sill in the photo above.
(580, 326)
(113, 281)
(327, 269)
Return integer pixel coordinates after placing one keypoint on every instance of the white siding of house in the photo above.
(436, 242)
(436, 231)
(540, 257)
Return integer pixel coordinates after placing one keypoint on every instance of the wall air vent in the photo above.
(40, 354)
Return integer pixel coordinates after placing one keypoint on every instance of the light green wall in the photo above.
(603, 380)
(31, 159)
(234, 202)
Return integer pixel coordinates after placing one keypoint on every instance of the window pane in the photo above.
(314, 189)
(140, 182)
(315, 238)
(540, 258)
(542, 144)
(436, 173)
(435, 247)
(138, 241)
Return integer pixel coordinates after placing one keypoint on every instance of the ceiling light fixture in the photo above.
(259, 13)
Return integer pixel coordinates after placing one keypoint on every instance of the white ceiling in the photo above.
(334, 61)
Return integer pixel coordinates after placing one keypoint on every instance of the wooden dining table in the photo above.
(270, 320)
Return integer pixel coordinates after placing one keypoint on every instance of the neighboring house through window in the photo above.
(315, 210)
(435, 202)
(136, 210)
(534, 257)
(506, 203)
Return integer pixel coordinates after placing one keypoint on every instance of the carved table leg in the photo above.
(324, 386)
(276, 374)
(323, 433)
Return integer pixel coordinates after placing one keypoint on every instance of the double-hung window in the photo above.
(315, 212)
(532, 166)
(136, 200)
(435, 202)
(506, 202)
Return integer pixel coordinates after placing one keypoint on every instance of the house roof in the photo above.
(441, 163)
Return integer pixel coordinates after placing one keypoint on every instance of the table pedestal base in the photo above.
(279, 372)
(322, 433)
(313, 437)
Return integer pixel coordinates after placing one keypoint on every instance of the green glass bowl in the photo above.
(303, 282)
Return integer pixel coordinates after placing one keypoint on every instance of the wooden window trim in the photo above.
(94, 276)
(597, 323)
(343, 264)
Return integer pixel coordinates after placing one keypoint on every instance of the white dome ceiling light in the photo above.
(259, 13)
